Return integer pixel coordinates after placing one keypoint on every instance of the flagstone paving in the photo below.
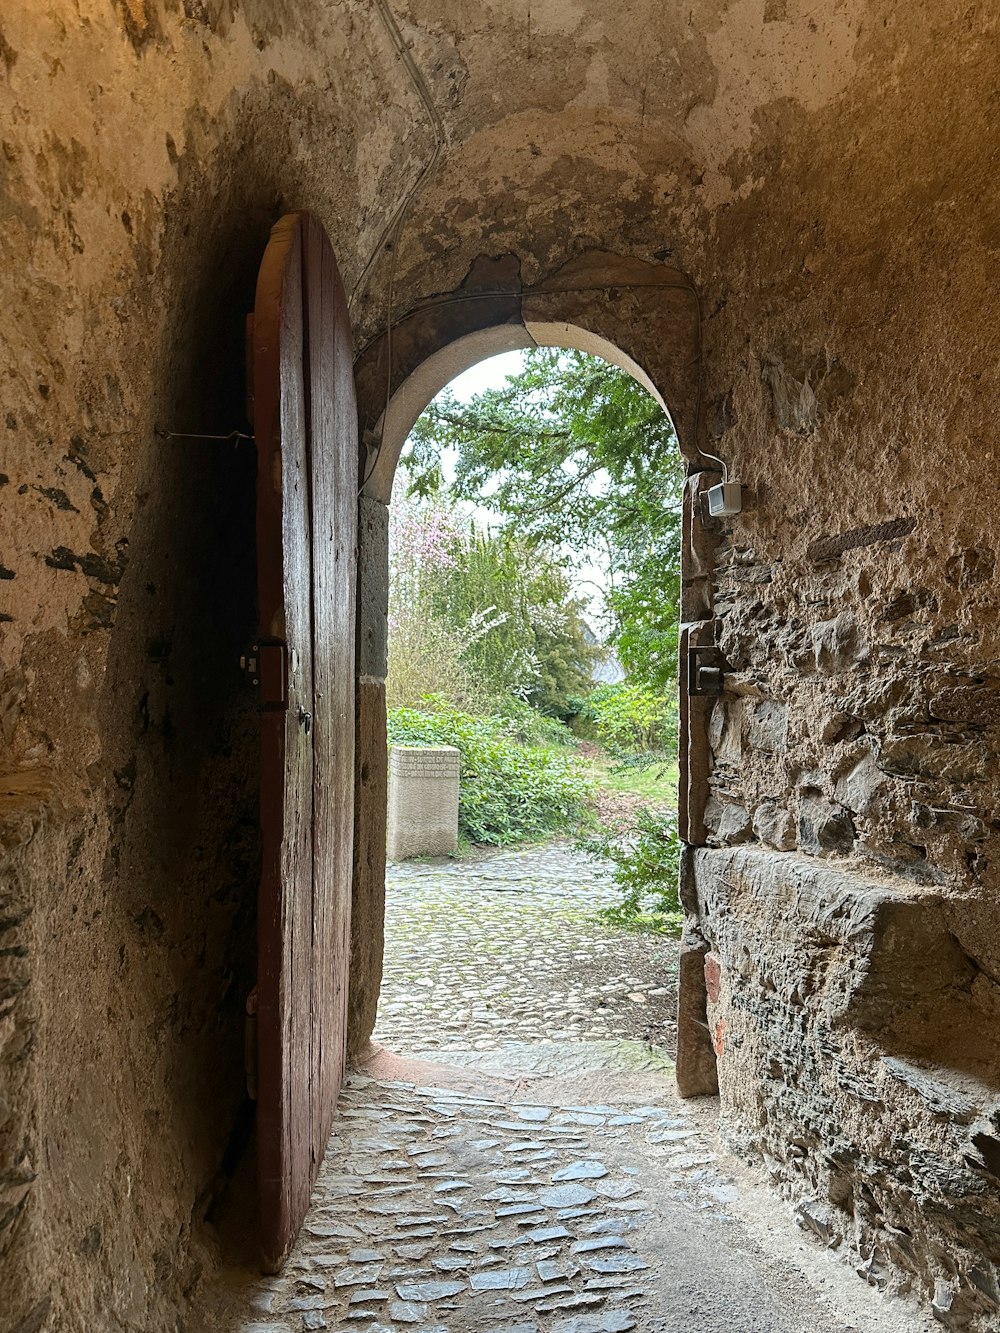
(521, 1163)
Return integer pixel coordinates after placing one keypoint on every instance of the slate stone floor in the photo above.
(517, 1161)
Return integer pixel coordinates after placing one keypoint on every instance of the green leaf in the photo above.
(572, 450)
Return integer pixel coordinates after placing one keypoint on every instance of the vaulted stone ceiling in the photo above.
(677, 129)
(586, 125)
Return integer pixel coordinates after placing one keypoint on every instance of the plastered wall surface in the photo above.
(826, 179)
(145, 157)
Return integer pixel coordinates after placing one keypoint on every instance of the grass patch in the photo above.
(654, 782)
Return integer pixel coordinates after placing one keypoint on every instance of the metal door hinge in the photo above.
(250, 1045)
(705, 666)
(266, 666)
(250, 664)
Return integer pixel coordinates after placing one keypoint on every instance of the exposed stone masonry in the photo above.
(853, 725)
(873, 1097)
(859, 727)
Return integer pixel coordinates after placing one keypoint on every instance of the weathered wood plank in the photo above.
(305, 423)
(334, 448)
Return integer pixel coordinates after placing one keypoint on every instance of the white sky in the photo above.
(488, 374)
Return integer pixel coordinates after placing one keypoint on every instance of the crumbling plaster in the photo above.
(827, 181)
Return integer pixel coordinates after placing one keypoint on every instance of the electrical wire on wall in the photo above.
(393, 229)
(394, 225)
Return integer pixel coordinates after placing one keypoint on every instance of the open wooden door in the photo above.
(305, 423)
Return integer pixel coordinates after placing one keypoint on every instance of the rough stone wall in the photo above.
(851, 382)
(826, 178)
(856, 594)
(146, 152)
(836, 208)
(850, 1057)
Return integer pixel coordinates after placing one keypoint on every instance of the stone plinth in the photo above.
(423, 801)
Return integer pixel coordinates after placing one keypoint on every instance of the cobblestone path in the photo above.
(478, 953)
(520, 1162)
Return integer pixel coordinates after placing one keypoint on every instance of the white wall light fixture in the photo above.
(726, 499)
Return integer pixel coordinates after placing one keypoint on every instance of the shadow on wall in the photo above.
(179, 722)
(154, 952)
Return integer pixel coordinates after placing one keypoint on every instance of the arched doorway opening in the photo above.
(469, 1198)
(640, 316)
(533, 629)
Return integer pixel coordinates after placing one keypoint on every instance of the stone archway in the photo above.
(642, 317)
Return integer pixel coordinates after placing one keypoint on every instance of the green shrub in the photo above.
(531, 727)
(508, 792)
(629, 718)
(646, 860)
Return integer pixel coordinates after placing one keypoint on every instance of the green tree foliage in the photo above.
(573, 451)
(534, 647)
